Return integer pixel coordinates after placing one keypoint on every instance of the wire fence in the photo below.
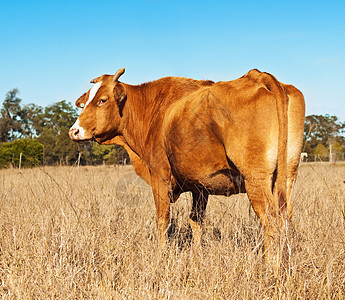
(123, 159)
(311, 157)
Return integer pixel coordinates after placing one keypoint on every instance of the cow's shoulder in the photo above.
(164, 92)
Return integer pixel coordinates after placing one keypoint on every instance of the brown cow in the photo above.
(218, 138)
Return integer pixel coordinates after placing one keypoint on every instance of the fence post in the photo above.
(20, 160)
(79, 158)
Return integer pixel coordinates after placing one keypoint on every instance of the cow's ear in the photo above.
(95, 80)
(120, 95)
(81, 101)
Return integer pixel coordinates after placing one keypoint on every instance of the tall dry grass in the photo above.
(90, 232)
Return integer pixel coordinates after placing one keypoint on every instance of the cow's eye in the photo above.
(102, 101)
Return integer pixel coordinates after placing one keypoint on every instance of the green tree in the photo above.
(338, 151)
(103, 153)
(31, 123)
(11, 117)
(109, 154)
(32, 153)
(323, 129)
(122, 156)
(58, 116)
(53, 125)
(321, 151)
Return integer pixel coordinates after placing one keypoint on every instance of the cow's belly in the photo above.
(206, 168)
(222, 182)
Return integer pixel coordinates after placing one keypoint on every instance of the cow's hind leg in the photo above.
(292, 173)
(259, 192)
(197, 214)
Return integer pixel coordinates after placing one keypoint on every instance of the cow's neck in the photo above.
(140, 113)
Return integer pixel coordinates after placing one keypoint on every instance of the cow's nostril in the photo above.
(76, 132)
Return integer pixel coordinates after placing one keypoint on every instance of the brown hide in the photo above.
(221, 138)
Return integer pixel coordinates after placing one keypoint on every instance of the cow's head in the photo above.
(102, 110)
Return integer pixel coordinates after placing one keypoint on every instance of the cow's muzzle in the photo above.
(76, 132)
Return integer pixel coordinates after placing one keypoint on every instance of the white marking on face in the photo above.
(93, 92)
(81, 133)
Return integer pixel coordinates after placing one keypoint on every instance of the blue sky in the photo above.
(50, 50)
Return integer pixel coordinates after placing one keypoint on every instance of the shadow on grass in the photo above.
(182, 236)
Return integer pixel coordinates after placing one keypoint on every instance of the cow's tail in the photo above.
(280, 187)
(282, 101)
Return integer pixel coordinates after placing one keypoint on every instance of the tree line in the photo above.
(41, 135)
(324, 135)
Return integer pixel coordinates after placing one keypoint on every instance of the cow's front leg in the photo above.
(161, 193)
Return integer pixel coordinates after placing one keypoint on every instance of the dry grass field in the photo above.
(90, 232)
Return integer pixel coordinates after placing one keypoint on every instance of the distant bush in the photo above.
(32, 153)
(321, 151)
(109, 154)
